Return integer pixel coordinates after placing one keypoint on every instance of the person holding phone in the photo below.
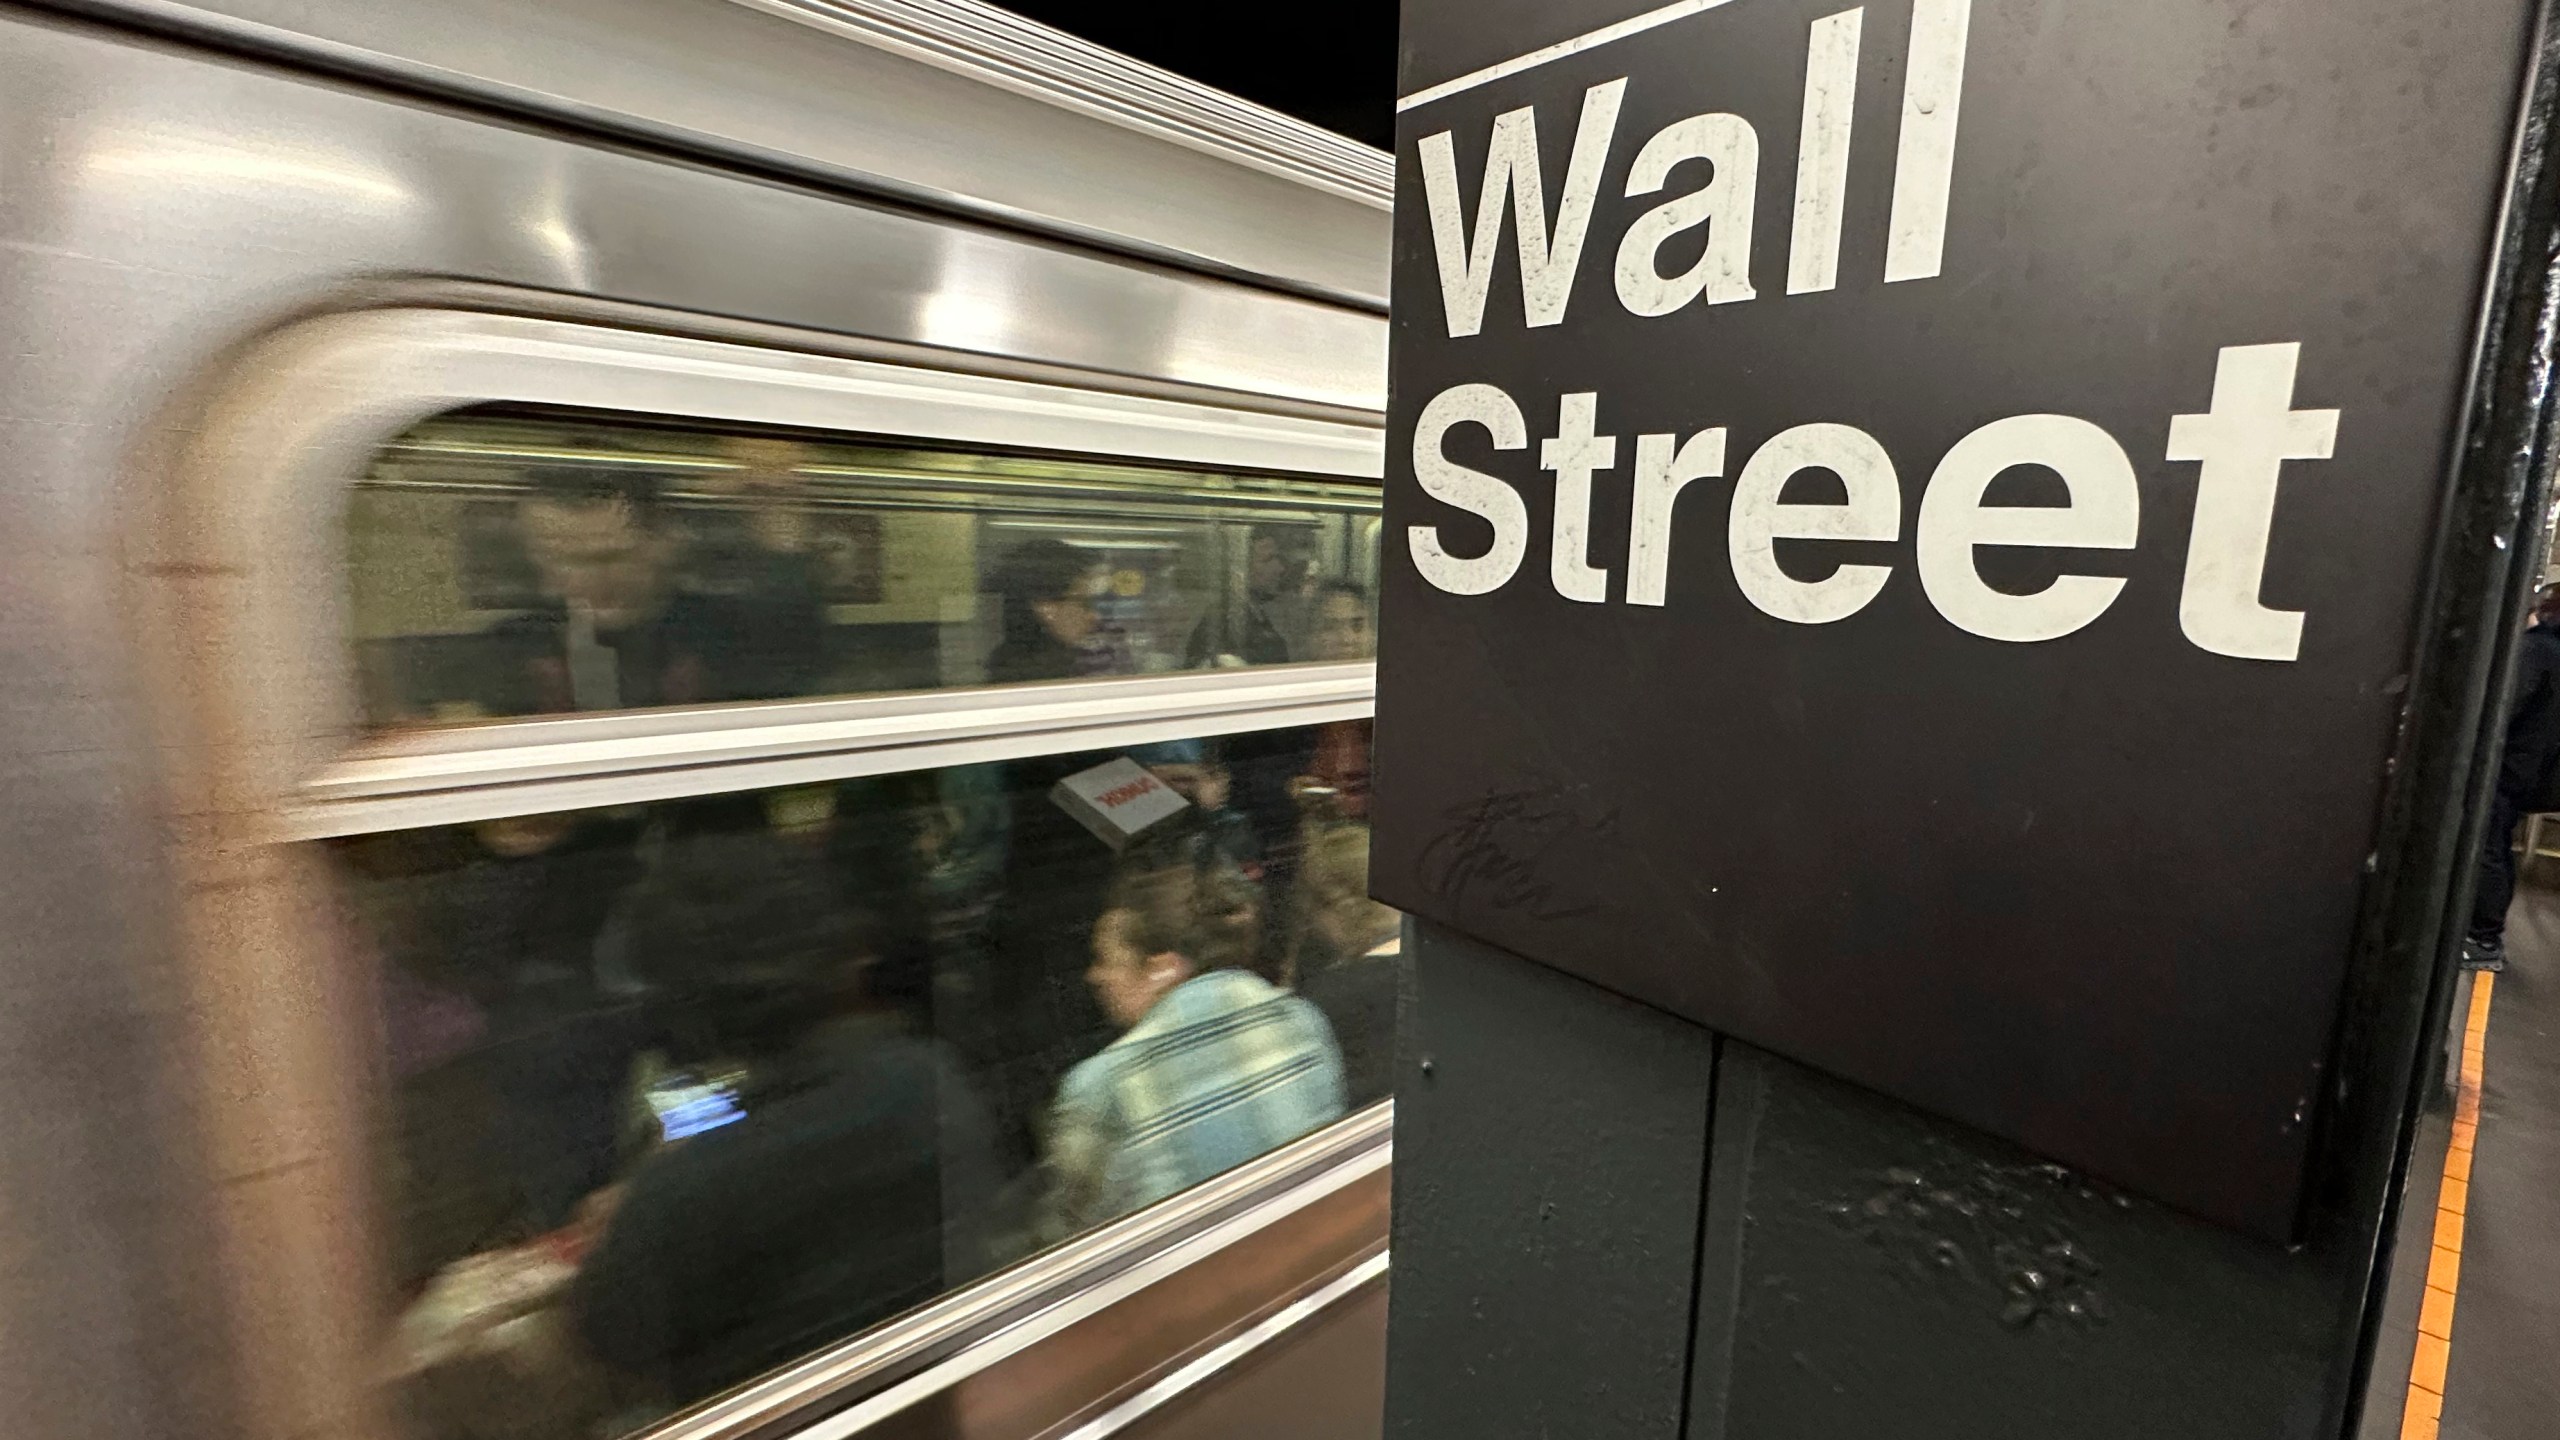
(834, 1170)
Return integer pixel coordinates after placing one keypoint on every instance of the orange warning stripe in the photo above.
(2444, 1268)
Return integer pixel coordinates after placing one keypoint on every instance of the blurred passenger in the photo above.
(508, 1049)
(1056, 876)
(618, 630)
(1175, 593)
(1349, 957)
(869, 834)
(1218, 834)
(1275, 571)
(1340, 764)
(1215, 1067)
(1341, 623)
(770, 495)
(1055, 872)
(756, 561)
(842, 1180)
(2528, 781)
(1045, 588)
(1223, 847)
(600, 543)
(879, 849)
(1263, 764)
(963, 830)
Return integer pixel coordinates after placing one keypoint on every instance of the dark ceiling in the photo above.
(1331, 62)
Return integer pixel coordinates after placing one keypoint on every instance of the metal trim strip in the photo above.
(1224, 1355)
(1089, 1301)
(392, 787)
(449, 294)
(487, 772)
(964, 1333)
(997, 47)
(558, 747)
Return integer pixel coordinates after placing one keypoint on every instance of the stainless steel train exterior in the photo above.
(245, 240)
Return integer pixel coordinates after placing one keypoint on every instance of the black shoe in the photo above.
(2489, 955)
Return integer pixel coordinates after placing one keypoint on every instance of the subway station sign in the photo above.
(1906, 526)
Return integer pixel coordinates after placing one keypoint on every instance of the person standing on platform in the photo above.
(2526, 782)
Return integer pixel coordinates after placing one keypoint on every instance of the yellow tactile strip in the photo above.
(2444, 1268)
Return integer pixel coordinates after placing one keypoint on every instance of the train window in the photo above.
(680, 1092)
(514, 562)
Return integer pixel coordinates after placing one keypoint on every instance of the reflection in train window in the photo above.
(511, 563)
(681, 1092)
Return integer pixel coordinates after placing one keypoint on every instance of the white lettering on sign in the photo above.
(1660, 475)
(1467, 251)
(2252, 430)
(1511, 167)
(1573, 455)
(2105, 513)
(1924, 171)
(1873, 511)
(2242, 443)
(1822, 152)
(1473, 491)
(1724, 205)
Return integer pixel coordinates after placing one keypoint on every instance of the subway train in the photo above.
(683, 730)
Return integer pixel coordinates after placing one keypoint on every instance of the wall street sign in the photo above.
(1907, 524)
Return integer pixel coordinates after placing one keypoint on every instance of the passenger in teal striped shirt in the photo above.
(1217, 1066)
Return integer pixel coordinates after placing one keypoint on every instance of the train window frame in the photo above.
(260, 533)
(239, 571)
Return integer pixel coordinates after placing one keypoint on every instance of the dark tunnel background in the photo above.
(1329, 62)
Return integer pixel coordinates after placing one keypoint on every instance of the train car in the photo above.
(684, 729)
